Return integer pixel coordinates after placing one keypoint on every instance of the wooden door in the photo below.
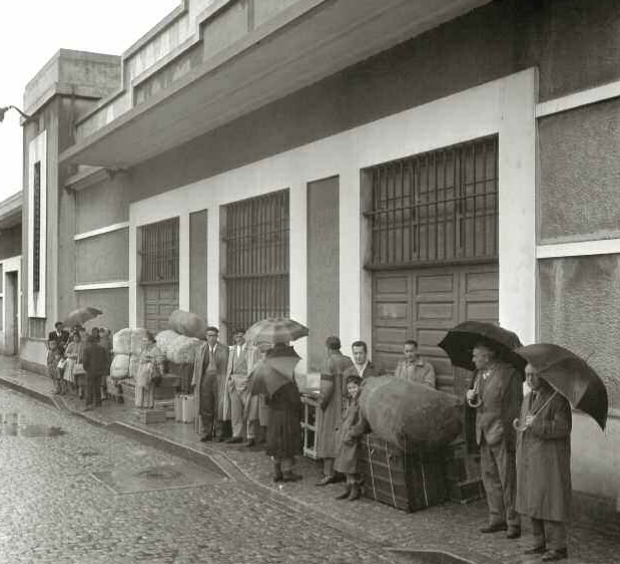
(423, 304)
(160, 300)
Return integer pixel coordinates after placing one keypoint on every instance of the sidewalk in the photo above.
(449, 527)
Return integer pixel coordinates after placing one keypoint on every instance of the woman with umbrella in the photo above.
(274, 377)
(558, 378)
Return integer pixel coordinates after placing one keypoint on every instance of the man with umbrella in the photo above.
(559, 379)
(497, 393)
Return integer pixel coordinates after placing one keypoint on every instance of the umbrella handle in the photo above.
(475, 404)
(517, 427)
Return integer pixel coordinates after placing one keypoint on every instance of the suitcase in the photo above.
(407, 479)
(184, 408)
(149, 416)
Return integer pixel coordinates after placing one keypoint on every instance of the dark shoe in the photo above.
(514, 533)
(290, 477)
(535, 550)
(553, 555)
(355, 493)
(345, 494)
(234, 440)
(325, 480)
(206, 438)
(277, 476)
(494, 528)
(251, 443)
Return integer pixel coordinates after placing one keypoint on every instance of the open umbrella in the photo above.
(81, 316)
(460, 341)
(276, 370)
(570, 376)
(276, 330)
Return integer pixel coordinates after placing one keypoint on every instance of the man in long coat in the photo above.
(543, 467)
(331, 401)
(95, 362)
(498, 387)
(211, 387)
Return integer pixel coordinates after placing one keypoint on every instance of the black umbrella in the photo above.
(570, 376)
(460, 341)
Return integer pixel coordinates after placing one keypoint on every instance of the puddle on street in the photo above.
(14, 425)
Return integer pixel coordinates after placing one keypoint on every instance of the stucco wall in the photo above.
(579, 197)
(103, 204)
(11, 242)
(113, 302)
(198, 254)
(323, 266)
(103, 258)
(580, 308)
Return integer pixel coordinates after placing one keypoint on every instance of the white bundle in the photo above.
(134, 363)
(121, 342)
(120, 366)
(182, 349)
(136, 341)
(164, 339)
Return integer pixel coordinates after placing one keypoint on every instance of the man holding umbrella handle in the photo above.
(497, 392)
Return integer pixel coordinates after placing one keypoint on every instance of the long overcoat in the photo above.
(353, 427)
(332, 403)
(543, 458)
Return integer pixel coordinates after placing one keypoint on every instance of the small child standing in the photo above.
(352, 428)
(53, 358)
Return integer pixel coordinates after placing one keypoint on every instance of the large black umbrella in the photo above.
(81, 316)
(460, 341)
(276, 370)
(570, 376)
(276, 330)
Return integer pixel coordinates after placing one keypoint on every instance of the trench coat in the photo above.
(543, 459)
(332, 402)
(353, 426)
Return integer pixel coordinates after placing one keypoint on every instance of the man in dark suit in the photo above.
(95, 362)
(498, 391)
(362, 366)
(212, 387)
(60, 336)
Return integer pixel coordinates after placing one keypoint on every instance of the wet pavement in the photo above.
(449, 527)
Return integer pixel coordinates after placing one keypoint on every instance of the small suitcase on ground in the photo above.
(149, 416)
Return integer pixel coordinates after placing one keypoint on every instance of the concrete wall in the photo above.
(198, 253)
(323, 283)
(103, 204)
(579, 174)
(103, 259)
(11, 241)
(113, 302)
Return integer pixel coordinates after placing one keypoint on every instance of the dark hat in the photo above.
(355, 378)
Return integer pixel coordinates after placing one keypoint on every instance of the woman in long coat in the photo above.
(332, 402)
(149, 370)
(543, 467)
(73, 355)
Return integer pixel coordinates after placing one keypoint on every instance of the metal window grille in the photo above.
(436, 207)
(36, 235)
(256, 244)
(160, 252)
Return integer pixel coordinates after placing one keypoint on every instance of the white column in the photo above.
(184, 266)
(298, 262)
(517, 204)
(352, 293)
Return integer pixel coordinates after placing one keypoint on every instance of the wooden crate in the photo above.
(463, 474)
(184, 372)
(310, 423)
(406, 479)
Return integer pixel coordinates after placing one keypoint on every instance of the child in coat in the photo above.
(352, 428)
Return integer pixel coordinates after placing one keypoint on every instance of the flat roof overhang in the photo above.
(304, 44)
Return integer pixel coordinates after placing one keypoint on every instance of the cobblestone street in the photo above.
(54, 510)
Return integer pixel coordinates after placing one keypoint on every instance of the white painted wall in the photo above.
(505, 106)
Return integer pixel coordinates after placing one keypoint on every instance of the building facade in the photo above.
(375, 170)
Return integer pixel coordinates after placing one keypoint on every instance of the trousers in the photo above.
(550, 534)
(499, 476)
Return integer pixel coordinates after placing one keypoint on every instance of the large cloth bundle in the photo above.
(182, 349)
(405, 413)
(186, 323)
(164, 338)
(136, 341)
(134, 364)
(121, 342)
(120, 366)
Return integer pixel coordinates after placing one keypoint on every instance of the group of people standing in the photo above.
(77, 362)
(525, 452)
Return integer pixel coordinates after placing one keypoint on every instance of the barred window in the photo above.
(160, 252)
(256, 243)
(435, 207)
(36, 236)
